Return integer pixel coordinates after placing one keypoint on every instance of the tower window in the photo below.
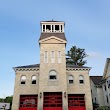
(23, 79)
(43, 28)
(52, 75)
(52, 28)
(57, 28)
(81, 79)
(59, 56)
(48, 28)
(61, 28)
(70, 79)
(34, 79)
(45, 57)
(52, 56)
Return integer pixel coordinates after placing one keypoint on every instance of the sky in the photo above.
(87, 25)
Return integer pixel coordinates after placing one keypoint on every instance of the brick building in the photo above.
(52, 84)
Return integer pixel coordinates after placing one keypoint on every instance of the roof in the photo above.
(29, 66)
(96, 79)
(74, 66)
(38, 65)
(58, 35)
(52, 21)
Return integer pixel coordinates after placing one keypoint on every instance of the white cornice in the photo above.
(78, 69)
(37, 69)
(26, 69)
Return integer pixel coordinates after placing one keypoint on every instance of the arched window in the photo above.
(23, 79)
(70, 79)
(34, 79)
(52, 75)
(81, 79)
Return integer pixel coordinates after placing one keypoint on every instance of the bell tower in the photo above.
(52, 76)
(52, 26)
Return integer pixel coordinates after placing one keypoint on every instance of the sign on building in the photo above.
(5, 106)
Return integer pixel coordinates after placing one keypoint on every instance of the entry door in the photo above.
(76, 102)
(28, 102)
(52, 101)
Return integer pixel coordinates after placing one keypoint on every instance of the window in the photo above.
(61, 28)
(105, 87)
(52, 75)
(107, 98)
(91, 91)
(43, 28)
(70, 79)
(81, 79)
(23, 79)
(34, 79)
(52, 57)
(48, 28)
(46, 57)
(59, 56)
(57, 28)
(95, 100)
(52, 28)
(108, 82)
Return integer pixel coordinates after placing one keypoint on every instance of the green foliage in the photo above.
(103, 108)
(1, 99)
(76, 56)
(8, 99)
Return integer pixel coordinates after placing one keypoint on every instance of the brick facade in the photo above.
(43, 83)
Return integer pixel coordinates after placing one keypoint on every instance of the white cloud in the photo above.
(94, 55)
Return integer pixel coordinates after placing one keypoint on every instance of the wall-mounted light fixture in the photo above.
(40, 95)
(65, 94)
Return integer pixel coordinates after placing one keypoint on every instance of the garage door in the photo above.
(52, 101)
(28, 102)
(76, 102)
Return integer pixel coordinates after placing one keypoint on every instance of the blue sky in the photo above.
(87, 26)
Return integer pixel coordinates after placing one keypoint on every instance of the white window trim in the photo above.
(23, 80)
(53, 74)
(32, 79)
(81, 79)
(70, 79)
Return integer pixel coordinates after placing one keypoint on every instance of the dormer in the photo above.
(52, 26)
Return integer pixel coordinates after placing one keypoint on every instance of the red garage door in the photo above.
(28, 102)
(76, 102)
(52, 101)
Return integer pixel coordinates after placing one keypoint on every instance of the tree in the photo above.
(76, 56)
(8, 99)
(1, 99)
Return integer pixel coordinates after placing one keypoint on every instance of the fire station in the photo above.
(52, 84)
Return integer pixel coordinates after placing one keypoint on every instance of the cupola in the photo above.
(52, 26)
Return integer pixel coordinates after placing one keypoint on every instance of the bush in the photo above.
(103, 108)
